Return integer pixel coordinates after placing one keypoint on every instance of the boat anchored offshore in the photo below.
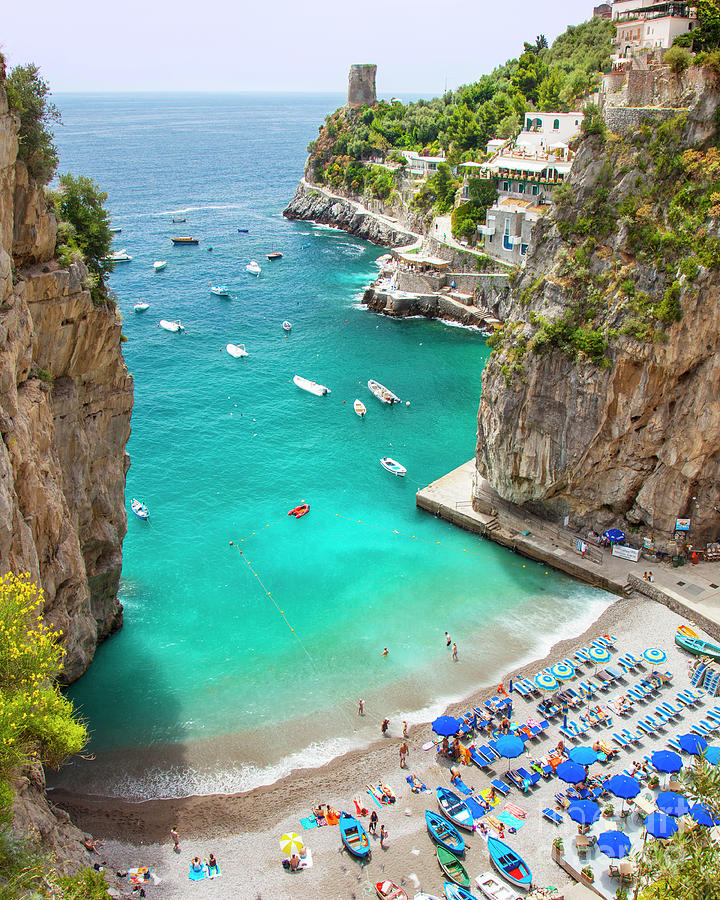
(118, 256)
(275, 254)
(392, 465)
(311, 386)
(140, 510)
(141, 306)
(382, 393)
(299, 511)
(360, 408)
(237, 350)
(220, 290)
(177, 221)
(182, 240)
(287, 326)
(171, 326)
(159, 264)
(253, 268)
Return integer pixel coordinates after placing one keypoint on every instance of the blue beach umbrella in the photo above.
(614, 844)
(583, 756)
(653, 655)
(672, 803)
(712, 755)
(660, 826)
(509, 746)
(584, 811)
(599, 654)
(446, 725)
(703, 816)
(570, 772)
(667, 761)
(545, 681)
(562, 671)
(622, 786)
(692, 743)
(614, 535)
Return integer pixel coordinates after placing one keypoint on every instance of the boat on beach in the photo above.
(687, 631)
(237, 350)
(455, 809)
(140, 510)
(354, 836)
(382, 393)
(287, 326)
(159, 264)
(697, 646)
(509, 864)
(360, 408)
(444, 833)
(171, 326)
(392, 465)
(312, 387)
(141, 306)
(455, 892)
(220, 290)
(452, 867)
(389, 891)
(184, 239)
(495, 889)
(253, 268)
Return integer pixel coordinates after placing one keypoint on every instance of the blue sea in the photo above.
(249, 636)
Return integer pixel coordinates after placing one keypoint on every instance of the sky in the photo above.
(420, 46)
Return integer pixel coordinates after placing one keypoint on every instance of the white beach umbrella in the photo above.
(291, 843)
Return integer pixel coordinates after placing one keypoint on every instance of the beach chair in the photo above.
(638, 696)
(544, 770)
(658, 719)
(521, 688)
(674, 744)
(684, 699)
(712, 725)
(630, 736)
(602, 676)
(581, 656)
(713, 717)
(500, 787)
(671, 710)
(634, 659)
(488, 752)
(532, 777)
(479, 759)
(646, 729)
(587, 690)
(552, 816)
(567, 732)
(599, 684)
(572, 695)
(700, 730)
(627, 664)
(569, 662)
(616, 673)
(620, 740)
(697, 693)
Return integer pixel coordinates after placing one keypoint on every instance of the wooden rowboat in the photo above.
(509, 864)
(389, 891)
(354, 836)
(697, 647)
(452, 867)
(455, 892)
(494, 888)
(444, 834)
(455, 809)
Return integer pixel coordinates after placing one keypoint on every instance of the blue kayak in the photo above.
(354, 836)
(509, 864)
(455, 892)
(444, 833)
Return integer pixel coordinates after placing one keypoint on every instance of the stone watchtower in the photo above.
(361, 85)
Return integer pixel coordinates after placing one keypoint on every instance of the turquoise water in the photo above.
(232, 665)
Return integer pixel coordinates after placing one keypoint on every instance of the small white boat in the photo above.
(287, 325)
(392, 465)
(140, 510)
(141, 306)
(311, 386)
(360, 408)
(237, 350)
(118, 256)
(253, 268)
(115, 230)
(220, 290)
(159, 264)
(495, 888)
(383, 260)
(171, 326)
(382, 393)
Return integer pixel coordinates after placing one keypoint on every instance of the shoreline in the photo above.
(209, 816)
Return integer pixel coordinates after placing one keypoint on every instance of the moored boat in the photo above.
(455, 892)
(382, 393)
(392, 465)
(300, 511)
(354, 836)
(287, 326)
(697, 647)
(118, 256)
(389, 891)
(509, 864)
(140, 510)
(178, 221)
(184, 239)
(452, 866)
(275, 254)
(455, 809)
(243, 230)
(360, 408)
(237, 350)
(159, 264)
(253, 268)
(495, 889)
(115, 230)
(444, 833)
(220, 290)
(141, 306)
(171, 326)
(311, 387)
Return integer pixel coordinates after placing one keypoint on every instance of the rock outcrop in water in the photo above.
(601, 400)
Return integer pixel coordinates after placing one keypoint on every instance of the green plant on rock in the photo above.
(29, 97)
(670, 309)
(679, 59)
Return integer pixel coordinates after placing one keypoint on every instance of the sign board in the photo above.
(648, 544)
(682, 524)
(566, 521)
(631, 553)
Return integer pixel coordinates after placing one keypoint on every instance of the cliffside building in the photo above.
(604, 11)
(647, 25)
(423, 166)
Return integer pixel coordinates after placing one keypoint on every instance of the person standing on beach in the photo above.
(455, 653)
(403, 755)
(385, 725)
(405, 730)
(372, 826)
(176, 838)
(383, 836)
(361, 708)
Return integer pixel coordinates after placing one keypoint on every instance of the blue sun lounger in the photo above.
(552, 816)
(501, 788)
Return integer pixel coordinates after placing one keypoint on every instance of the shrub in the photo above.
(669, 309)
(28, 95)
(593, 122)
(678, 58)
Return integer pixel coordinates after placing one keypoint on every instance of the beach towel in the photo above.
(461, 786)
(486, 796)
(332, 817)
(309, 822)
(376, 792)
(359, 808)
(515, 810)
(495, 823)
(477, 810)
(509, 820)
(215, 873)
(197, 874)
(137, 876)
(416, 790)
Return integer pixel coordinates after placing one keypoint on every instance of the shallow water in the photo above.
(238, 661)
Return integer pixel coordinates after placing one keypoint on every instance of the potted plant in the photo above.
(558, 845)
(608, 810)
(588, 874)
(653, 781)
(621, 894)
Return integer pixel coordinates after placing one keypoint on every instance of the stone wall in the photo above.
(652, 591)
(624, 118)
(361, 85)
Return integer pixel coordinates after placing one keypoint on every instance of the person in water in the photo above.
(385, 651)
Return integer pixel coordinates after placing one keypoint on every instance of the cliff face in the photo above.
(65, 404)
(601, 400)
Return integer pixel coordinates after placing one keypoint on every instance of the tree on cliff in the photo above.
(29, 97)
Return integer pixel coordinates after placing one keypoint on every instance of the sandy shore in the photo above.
(243, 830)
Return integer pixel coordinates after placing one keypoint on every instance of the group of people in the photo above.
(648, 576)
(448, 642)
(372, 829)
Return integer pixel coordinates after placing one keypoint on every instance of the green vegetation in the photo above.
(706, 36)
(29, 96)
(467, 216)
(438, 191)
(678, 58)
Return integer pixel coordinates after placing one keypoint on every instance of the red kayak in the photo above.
(300, 511)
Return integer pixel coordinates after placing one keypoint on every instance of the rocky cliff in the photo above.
(600, 400)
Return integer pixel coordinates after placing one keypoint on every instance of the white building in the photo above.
(545, 129)
(643, 25)
(422, 166)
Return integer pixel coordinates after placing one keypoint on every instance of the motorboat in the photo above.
(311, 387)
(159, 264)
(141, 306)
(115, 230)
(275, 254)
(360, 408)
(392, 466)
(243, 230)
(118, 256)
(287, 326)
(382, 393)
(253, 268)
(299, 511)
(171, 326)
(140, 510)
(237, 350)
(220, 290)
(178, 221)
(183, 240)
